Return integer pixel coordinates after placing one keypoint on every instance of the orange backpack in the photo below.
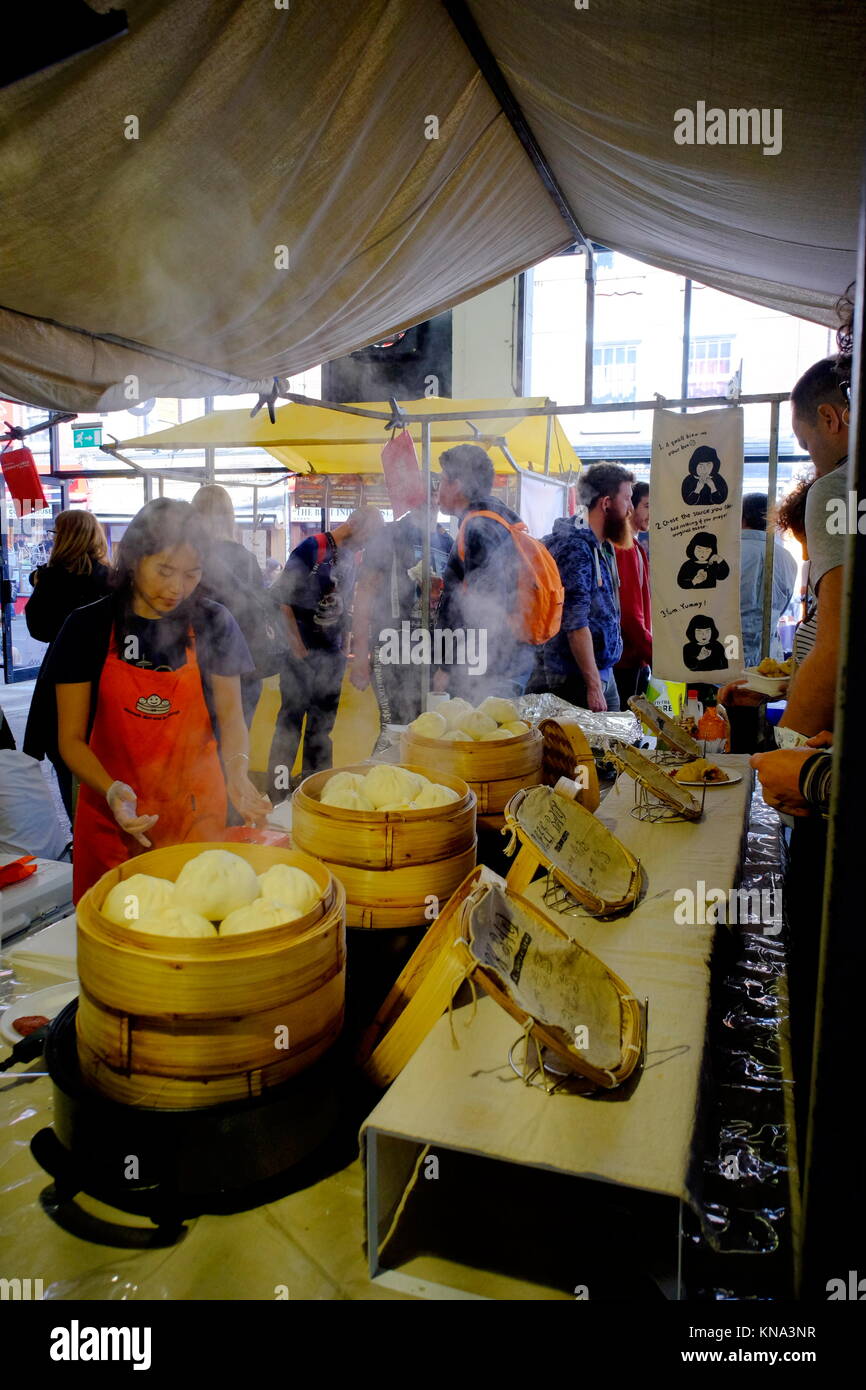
(538, 612)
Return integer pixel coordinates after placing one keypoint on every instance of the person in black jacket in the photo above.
(76, 575)
(231, 576)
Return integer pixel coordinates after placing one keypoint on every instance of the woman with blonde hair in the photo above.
(76, 575)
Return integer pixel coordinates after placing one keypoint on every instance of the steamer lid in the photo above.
(578, 850)
(424, 988)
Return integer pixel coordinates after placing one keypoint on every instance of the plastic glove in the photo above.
(246, 798)
(123, 803)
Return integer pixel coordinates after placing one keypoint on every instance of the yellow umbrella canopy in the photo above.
(314, 439)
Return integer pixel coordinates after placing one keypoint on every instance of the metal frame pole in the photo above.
(687, 342)
(210, 452)
(770, 540)
(426, 474)
(835, 1172)
(589, 346)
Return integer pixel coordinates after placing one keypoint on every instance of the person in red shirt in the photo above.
(632, 671)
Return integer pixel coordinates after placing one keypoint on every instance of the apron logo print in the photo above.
(152, 704)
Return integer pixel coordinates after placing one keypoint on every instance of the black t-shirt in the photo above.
(390, 555)
(317, 584)
(81, 646)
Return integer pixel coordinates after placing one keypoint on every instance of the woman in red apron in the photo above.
(149, 768)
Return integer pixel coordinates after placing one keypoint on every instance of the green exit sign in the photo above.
(86, 436)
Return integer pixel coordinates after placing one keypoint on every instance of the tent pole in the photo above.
(687, 340)
(769, 542)
(426, 552)
(209, 453)
(834, 1187)
(464, 22)
(589, 344)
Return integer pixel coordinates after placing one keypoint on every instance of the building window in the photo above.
(614, 372)
(709, 366)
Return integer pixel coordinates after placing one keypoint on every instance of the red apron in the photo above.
(153, 731)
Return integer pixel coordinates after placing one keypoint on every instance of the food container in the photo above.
(176, 1022)
(767, 685)
(391, 863)
(494, 769)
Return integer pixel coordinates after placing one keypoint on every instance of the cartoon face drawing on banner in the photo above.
(704, 484)
(704, 568)
(703, 651)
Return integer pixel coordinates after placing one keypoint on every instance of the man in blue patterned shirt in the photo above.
(579, 661)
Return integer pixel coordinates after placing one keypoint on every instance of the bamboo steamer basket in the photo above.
(179, 1023)
(567, 754)
(450, 954)
(390, 863)
(494, 770)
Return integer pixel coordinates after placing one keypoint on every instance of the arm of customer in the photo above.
(580, 642)
(73, 715)
(795, 780)
(235, 747)
(812, 692)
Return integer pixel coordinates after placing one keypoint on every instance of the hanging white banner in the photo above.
(696, 485)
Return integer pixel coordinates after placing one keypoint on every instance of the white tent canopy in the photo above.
(358, 141)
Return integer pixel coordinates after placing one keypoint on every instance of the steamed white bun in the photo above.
(387, 785)
(477, 724)
(516, 727)
(346, 800)
(456, 736)
(495, 734)
(342, 781)
(257, 916)
(174, 921)
(453, 711)
(503, 711)
(429, 725)
(293, 887)
(140, 895)
(434, 795)
(215, 883)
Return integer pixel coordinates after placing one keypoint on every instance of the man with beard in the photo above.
(579, 661)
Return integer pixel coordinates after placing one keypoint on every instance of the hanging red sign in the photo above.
(22, 480)
(402, 473)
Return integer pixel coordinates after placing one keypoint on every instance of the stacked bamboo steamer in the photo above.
(392, 864)
(179, 1023)
(494, 771)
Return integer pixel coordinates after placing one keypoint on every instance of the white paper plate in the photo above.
(48, 1002)
(732, 778)
(766, 685)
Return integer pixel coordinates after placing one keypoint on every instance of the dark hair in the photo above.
(824, 383)
(702, 620)
(755, 511)
(160, 525)
(601, 480)
(791, 511)
(704, 454)
(702, 538)
(471, 467)
(638, 493)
